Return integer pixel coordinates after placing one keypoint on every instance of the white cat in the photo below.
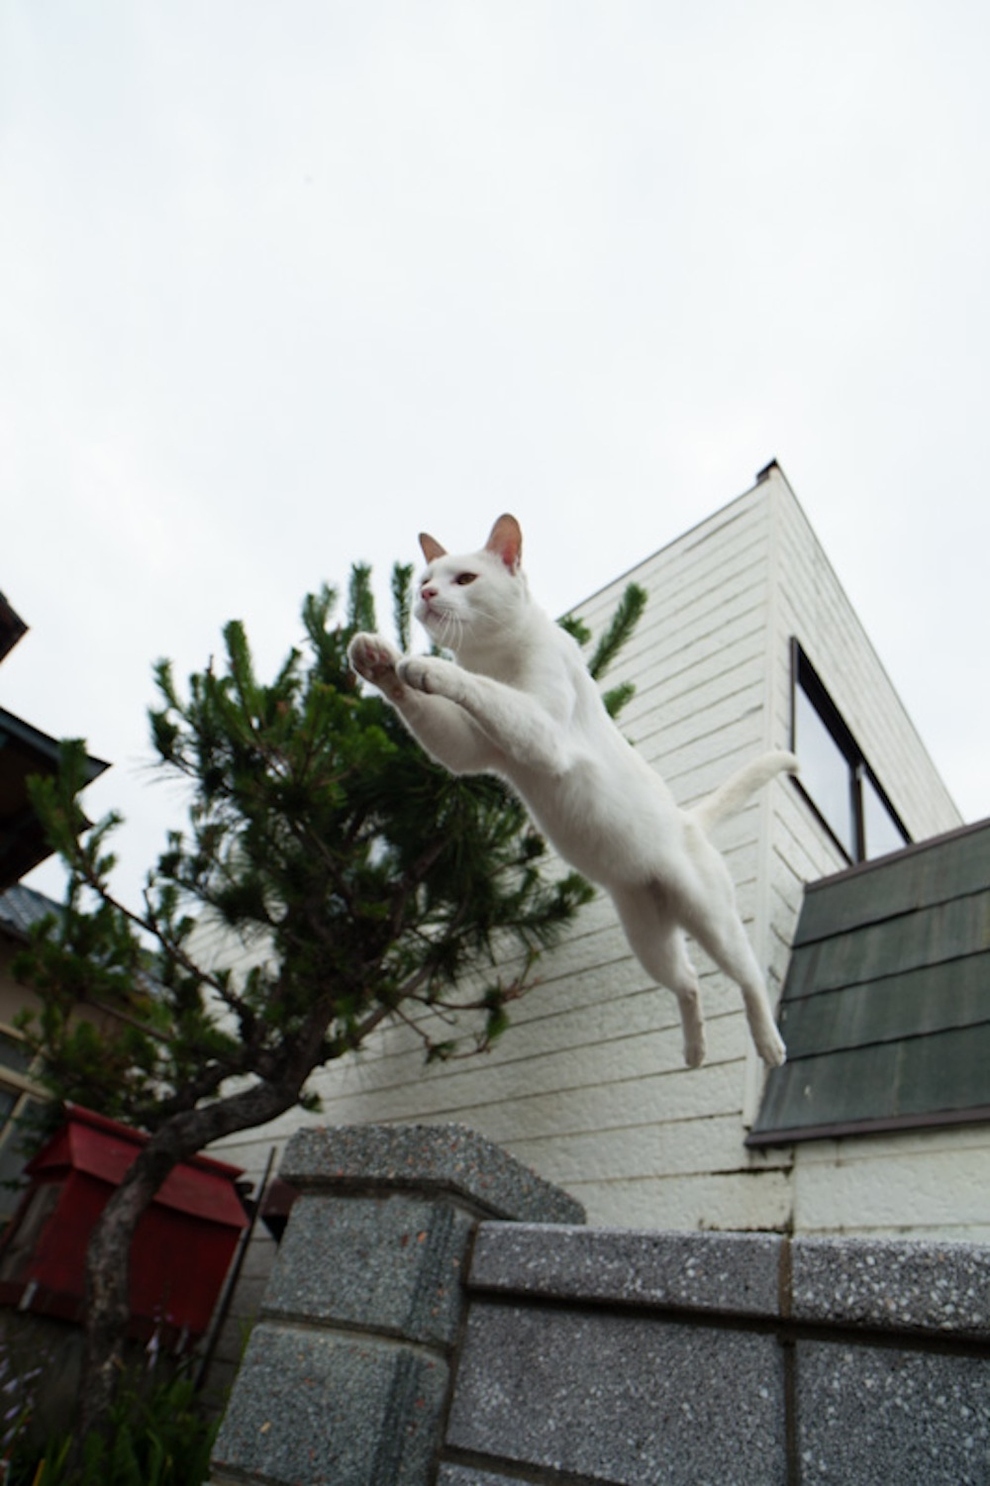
(520, 703)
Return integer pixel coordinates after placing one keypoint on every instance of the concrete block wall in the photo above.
(346, 1379)
(408, 1339)
(638, 1358)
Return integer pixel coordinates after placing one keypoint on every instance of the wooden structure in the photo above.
(183, 1246)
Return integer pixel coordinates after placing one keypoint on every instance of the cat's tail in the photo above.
(733, 794)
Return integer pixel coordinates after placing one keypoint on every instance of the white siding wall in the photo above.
(811, 605)
(588, 1085)
(918, 1184)
(931, 1183)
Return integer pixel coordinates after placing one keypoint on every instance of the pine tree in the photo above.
(372, 885)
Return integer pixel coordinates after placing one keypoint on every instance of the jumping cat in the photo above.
(519, 702)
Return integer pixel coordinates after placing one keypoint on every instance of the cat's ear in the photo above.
(431, 547)
(506, 542)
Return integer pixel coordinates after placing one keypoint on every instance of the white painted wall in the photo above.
(588, 1086)
(916, 1184)
(923, 1183)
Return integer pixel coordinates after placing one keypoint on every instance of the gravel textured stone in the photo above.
(391, 1264)
(873, 1416)
(448, 1158)
(467, 1475)
(729, 1273)
(619, 1399)
(619, 1357)
(942, 1287)
(316, 1409)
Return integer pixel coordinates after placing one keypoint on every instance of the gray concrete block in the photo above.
(731, 1273)
(323, 1410)
(942, 1287)
(440, 1158)
(620, 1399)
(468, 1475)
(870, 1416)
(389, 1264)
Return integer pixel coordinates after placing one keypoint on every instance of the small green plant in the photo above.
(18, 1385)
(158, 1436)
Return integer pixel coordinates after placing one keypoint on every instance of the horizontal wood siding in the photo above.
(917, 1182)
(814, 608)
(921, 1184)
(588, 1085)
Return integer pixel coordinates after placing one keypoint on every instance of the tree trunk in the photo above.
(108, 1255)
(108, 1269)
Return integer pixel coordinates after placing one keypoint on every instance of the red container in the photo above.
(183, 1245)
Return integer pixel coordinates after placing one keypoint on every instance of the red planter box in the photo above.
(183, 1245)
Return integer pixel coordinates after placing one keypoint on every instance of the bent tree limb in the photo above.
(108, 1255)
(367, 878)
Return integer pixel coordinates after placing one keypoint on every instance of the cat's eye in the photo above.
(463, 579)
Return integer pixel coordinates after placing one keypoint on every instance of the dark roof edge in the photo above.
(42, 743)
(12, 626)
(977, 1114)
(914, 849)
(682, 536)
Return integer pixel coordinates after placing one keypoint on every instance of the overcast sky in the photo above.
(283, 284)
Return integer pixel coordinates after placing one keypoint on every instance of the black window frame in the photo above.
(805, 678)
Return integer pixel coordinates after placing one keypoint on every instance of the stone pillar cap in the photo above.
(425, 1158)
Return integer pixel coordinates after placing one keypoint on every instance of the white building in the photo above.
(748, 642)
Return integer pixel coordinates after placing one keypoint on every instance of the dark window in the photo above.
(882, 829)
(835, 777)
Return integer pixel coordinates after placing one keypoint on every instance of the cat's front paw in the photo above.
(425, 673)
(374, 659)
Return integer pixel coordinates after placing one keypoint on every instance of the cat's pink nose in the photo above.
(426, 592)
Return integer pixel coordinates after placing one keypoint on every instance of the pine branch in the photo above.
(576, 628)
(402, 575)
(621, 626)
(361, 600)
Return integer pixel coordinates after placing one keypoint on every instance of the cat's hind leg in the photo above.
(706, 904)
(658, 944)
(729, 947)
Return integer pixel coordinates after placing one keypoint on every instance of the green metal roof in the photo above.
(886, 1005)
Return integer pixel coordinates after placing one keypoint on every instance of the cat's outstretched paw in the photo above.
(374, 659)
(425, 673)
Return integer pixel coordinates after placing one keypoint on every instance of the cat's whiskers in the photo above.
(451, 630)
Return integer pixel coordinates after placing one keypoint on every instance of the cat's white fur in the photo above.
(519, 702)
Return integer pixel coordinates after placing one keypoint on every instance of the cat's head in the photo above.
(473, 602)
